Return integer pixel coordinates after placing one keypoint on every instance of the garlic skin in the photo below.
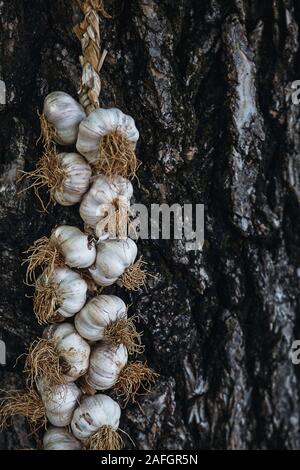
(71, 347)
(60, 439)
(74, 245)
(92, 321)
(60, 402)
(105, 196)
(70, 288)
(106, 363)
(65, 114)
(102, 122)
(76, 181)
(113, 257)
(93, 413)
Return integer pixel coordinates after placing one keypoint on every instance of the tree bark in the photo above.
(209, 85)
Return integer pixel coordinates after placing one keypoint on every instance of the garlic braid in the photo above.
(88, 32)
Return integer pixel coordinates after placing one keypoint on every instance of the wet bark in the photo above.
(209, 84)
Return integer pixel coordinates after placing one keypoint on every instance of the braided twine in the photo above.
(91, 60)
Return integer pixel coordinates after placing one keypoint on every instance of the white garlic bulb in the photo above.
(92, 321)
(60, 401)
(76, 179)
(60, 439)
(74, 245)
(59, 295)
(113, 257)
(106, 197)
(102, 122)
(93, 413)
(64, 114)
(106, 363)
(71, 348)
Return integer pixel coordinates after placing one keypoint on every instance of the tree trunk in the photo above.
(209, 85)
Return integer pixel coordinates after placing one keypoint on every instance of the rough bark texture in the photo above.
(208, 83)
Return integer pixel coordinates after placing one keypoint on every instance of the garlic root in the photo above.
(43, 253)
(124, 331)
(133, 377)
(43, 360)
(134, 276)
(27, 403)
(106, 438)
(48, 173)
(46, 299)
(48, 132)
(116, 156)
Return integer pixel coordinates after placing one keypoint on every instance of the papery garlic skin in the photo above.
(93, 413)
(60, 439)
(102, 122)
(60, 401)
(65, 114)
(71, 347)
(113, 257)
(70, 288)
(105, 196)
(76, 181)
(106, 363)
(102, 310)
(75, 246)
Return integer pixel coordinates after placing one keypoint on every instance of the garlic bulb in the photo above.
(107, 202)
(109, 368)
(114, 260)
(77, 250)
(59, 295)
(92, 321)
(66, 245)
(100, 123)
(75, 180)
(72, 350)
(64, 114)
(60, 402)
(106, 363)
(60, 439)
(96, 421)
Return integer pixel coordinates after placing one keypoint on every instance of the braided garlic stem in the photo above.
(88, 32)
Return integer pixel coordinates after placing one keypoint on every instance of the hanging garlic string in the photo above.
(91, 60)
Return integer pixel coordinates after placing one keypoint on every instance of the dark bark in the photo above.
(208, 83)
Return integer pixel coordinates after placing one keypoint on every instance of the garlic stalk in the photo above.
(61, 118)
(58, 295)
(66, 245)
(60, 439)
(104, 317)
(107, 139)
(96, 421)
(60, 401)
(108, 368)
(61, 356)
(105, 207)
(115, 261)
